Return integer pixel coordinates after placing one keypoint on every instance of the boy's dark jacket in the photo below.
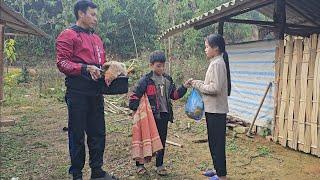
(147, 86)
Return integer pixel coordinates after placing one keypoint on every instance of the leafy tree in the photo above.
(148, 19)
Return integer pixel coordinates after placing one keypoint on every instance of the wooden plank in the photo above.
(285, 92)
(288, 94)
(297, 93)
(1, 67)
(303, 98)
(292, 84)
(307, 135)
(315, 103)
(1, 60)
(278, 69)
(275, 95)
(318, 125)
(7, 122)
(6, 17)
(27, 24)
(174, 143)
(21, 29)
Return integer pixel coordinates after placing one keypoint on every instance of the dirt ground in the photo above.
(36, 147)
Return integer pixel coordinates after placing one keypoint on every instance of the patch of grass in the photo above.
(57, 93)
(16, 156)
(23, 128)
(265, 132)
(12, 153)
(15, 96)
(113, 127)
(232, 145)
(199, 127)
(203, 166)
(62, 170)
(263, 151)
(37, 145)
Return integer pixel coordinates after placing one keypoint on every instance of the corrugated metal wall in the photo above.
(252, 68)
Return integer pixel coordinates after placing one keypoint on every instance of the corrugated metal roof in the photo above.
(299, 12)
(17, 22)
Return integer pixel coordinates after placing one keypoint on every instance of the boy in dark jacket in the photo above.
(160, 89)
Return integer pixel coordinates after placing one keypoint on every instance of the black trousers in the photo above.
(216, 127)
(162, 126)
(86, 115)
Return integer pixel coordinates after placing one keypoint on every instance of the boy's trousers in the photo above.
(162, 126)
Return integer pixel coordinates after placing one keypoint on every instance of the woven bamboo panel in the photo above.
(297, 105)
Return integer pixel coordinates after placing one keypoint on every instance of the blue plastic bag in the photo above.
(194, 107)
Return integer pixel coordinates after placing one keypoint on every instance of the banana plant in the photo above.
(10, 51)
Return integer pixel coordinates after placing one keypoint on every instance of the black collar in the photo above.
(80, 29)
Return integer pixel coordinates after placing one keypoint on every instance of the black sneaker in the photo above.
(101, 175)
(77, 176)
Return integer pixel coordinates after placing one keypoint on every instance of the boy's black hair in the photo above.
(157, 56)
(83, 5)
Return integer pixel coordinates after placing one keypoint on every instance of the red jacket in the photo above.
(76, 48)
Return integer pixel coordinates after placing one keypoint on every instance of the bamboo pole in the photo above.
(134, 40)
(315, 117)
(285, 92)
(278, 69)
(297, 93)
(303, 99)
(311, 64)
(292, 84)
(1, 67)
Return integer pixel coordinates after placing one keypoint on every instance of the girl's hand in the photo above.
(195, 82)
(188, 84)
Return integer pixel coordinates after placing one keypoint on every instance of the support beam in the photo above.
(220, 28)
(267, 23)
(16, 34)
(1, 67)
(279, 18)
(303, 32)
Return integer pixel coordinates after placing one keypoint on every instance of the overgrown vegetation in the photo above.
(147, 17)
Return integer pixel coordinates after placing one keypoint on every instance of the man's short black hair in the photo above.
(157, 56)
(82, 5)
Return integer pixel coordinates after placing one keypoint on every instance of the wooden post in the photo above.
(166, 42)
(165, 47)
(279, 18)
(169, 55)
(1, 66)
(258, 110)
(220, 28)
(2, 121)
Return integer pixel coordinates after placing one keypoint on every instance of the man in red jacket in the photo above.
(80, 55)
